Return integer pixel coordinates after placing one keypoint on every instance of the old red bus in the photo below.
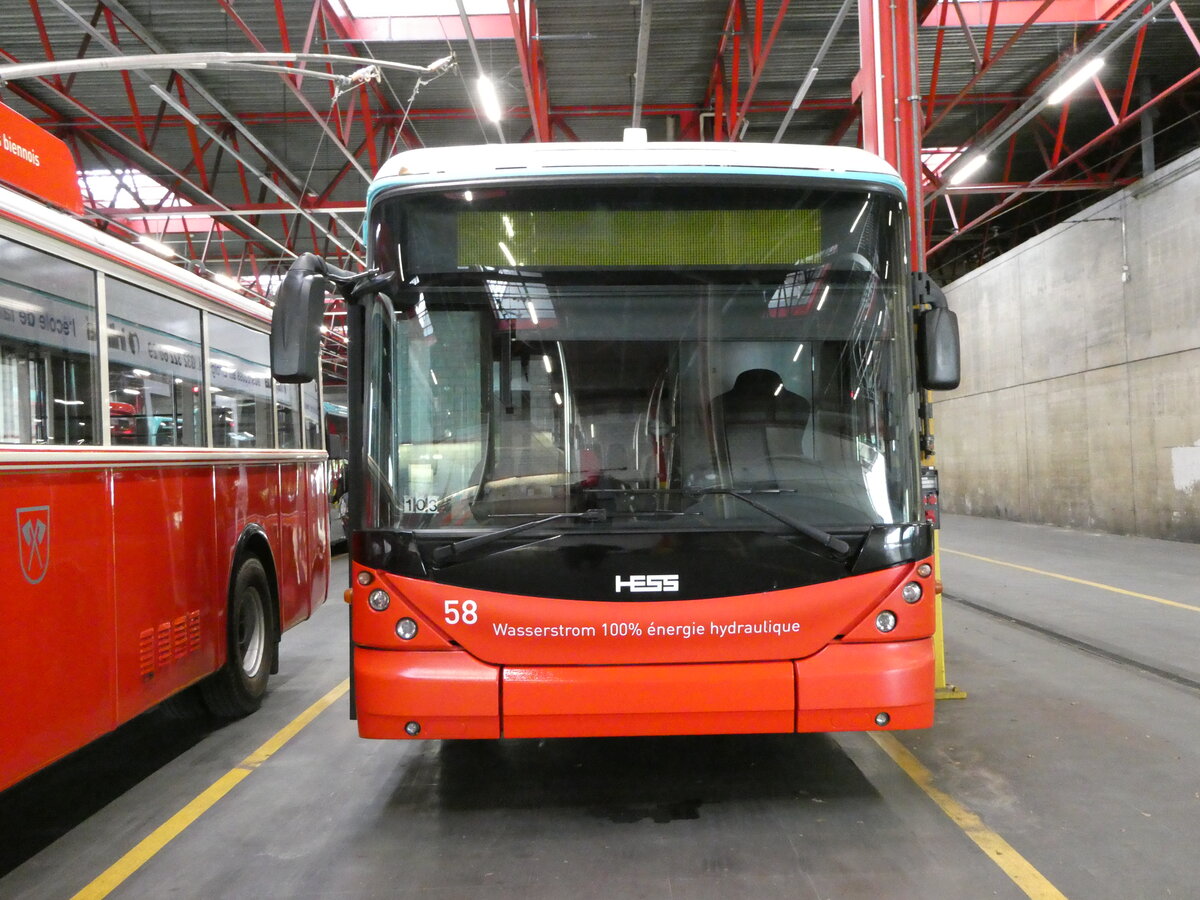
(163, 502)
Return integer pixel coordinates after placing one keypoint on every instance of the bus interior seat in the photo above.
(763, 424)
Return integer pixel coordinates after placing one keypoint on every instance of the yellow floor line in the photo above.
(1094, 584)
(115, 874)
(1013, 864)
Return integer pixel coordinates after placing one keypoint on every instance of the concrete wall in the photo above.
(1080, 399)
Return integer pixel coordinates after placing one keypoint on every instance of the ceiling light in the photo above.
(969, 168)
(1072, 84)
(489, 98)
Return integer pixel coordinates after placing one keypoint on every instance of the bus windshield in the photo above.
(644, 351)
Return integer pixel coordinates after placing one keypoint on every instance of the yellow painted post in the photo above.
(942, 690)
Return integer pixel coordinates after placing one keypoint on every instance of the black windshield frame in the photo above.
(425, 292)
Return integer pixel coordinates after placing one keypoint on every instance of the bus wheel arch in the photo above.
(251, 633)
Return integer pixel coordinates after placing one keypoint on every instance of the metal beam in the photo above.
(814, 67)
(141, 158)
(987, 65)
(523, 15)
(758, 62)
(148, 38)
(643, 54)
(888, 87)
(1126, 121)
(1122, 28)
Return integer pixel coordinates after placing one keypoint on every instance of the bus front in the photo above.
(637, 454)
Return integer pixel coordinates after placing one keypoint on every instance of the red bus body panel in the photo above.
(805, 659)
(131, 606)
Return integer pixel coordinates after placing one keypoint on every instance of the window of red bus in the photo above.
(240, 385)
(48, 358)
(154, 364)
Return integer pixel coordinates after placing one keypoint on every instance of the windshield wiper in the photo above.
(448, 553)
(834, 545)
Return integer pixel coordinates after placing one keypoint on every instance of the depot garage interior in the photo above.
(656, 449)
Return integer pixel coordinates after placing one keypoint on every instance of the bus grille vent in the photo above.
(179, 637)
(193, 619)
(164, 645)
(146, 652)
(168, 643)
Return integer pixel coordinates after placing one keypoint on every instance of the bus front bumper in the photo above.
(450, 694)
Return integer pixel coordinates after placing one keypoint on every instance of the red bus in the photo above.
(163, 502)
(634, 442)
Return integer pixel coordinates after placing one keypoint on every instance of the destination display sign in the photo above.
(36, 162)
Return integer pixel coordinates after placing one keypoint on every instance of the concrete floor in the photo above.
(1079, 744)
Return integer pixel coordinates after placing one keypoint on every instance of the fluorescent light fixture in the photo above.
(489, 98)
(1072, 84)
(512, 260)
(546, 362)
(969, 168)
(156, 247)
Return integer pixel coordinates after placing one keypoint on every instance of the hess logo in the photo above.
(647, 584)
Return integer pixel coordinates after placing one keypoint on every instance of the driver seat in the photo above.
(762, 424)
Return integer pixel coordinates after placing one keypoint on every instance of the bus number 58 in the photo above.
(468, 613)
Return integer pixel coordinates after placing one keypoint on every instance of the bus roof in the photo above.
(501, 160)
(33, 215)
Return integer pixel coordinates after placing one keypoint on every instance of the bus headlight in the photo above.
(885, 621)
(924, 570)
(406, 629)
(365, 577)
(379, 600)
(911, 592)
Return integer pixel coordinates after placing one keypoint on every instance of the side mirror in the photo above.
(296, 324)
(938, 355)
(937, 349)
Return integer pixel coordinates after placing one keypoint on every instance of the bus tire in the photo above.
(238, 687)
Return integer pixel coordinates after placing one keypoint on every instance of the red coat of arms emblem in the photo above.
(33, 542)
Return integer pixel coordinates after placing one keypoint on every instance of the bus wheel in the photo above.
(237, 689)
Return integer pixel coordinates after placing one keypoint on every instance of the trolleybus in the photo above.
(634, 442)
(163, 502)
